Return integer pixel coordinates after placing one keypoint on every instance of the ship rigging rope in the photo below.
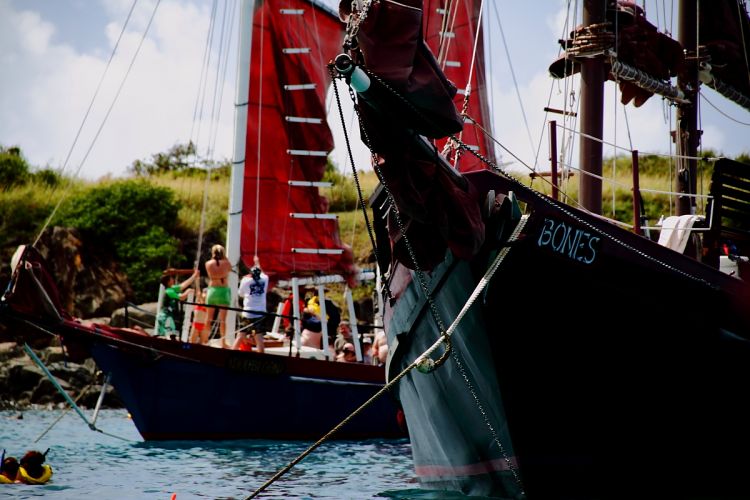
(704, 98)
(446, 25)
(420, 363)
(515, 85)
(106, 116)
(217, 92)
(424, 362)
(541, 197)
(62, 392)
(260, 128)
(468, 88)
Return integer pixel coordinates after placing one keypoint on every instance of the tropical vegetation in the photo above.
(155, 217)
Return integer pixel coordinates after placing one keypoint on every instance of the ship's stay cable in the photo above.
(98, 86)
(355, 175)
(218, 87)
(199, 106)
(423, 362)
(723, 113)
(86, 115)
(65, 412)
(472, 66)
(428, 364)
(200, 96)
(62, 392)
(534, 149)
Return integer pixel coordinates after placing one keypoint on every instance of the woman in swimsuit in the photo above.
(218, 293)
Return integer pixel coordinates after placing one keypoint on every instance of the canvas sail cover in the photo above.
(725, 35)
(450, 30)
(288, 139)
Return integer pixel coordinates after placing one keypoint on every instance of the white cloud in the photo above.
(43, 104)
(51, 83)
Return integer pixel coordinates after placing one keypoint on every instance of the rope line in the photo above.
(419, 361)
(67, 410)
(106, 116)
(64, 394)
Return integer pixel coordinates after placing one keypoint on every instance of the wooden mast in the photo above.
(592, 119)
(688, 135)
(234, 217)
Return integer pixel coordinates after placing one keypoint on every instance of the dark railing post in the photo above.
(636, 196)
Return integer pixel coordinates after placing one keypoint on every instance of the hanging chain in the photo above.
(360, 197)
(356, 18)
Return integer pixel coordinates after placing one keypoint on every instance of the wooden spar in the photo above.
(688, 135)
(592, 119)
(234, 215)
(553, 158)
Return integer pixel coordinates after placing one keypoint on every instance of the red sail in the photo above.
(450, 30)
(288, 139)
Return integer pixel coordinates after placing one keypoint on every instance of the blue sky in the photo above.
(54, 53)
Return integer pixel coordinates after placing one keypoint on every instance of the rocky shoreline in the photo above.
(23, 385)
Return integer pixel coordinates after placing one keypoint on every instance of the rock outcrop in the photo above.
(23, 384)
(89, 285)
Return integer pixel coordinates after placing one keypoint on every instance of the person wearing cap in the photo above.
(252, 292)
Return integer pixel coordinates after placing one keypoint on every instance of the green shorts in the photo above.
(218, 296)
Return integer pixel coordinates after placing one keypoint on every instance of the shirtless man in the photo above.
(218, 293)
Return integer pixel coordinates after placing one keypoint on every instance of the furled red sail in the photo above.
(450, 30)
(725, 35)
(288, 140)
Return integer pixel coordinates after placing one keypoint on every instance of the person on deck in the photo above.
(380, 348)
(287, 310)
(166, 320)
(334, 317)
(243, 342)
(311, 335)
(218, 293)
(200, 320)
(347, 354)
(367, 352)
(252, 293)
(343, 335)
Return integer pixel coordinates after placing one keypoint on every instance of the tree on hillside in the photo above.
(180, 159)
(14, 169)
(134, 221)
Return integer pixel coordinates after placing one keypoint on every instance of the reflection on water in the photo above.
(88, 464)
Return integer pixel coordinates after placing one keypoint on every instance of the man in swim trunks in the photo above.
(218, 293)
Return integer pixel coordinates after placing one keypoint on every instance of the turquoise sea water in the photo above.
(90, 465)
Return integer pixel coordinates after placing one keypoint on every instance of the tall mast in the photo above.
(592, 119)
(688, 135)
(234, 217)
